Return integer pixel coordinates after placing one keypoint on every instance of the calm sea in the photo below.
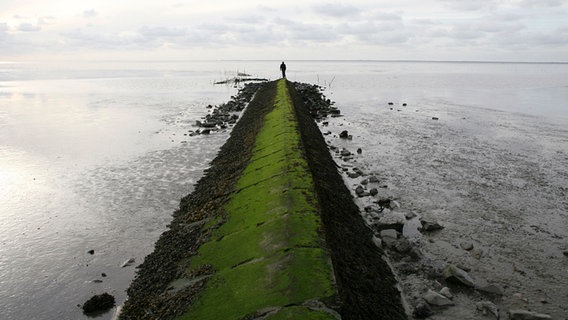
(95, 156)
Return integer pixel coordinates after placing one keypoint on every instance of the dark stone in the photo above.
(91, 252)
(374, 191)
(435, 118)
(428, 225)
(359, 150)
(98, 304)
(359, 190)
(344, 134)
(422, 310)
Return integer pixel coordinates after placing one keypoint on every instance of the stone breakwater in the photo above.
(271, 231)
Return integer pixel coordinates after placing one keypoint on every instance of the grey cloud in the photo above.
(89, 13)
(337, 10)
(539, 3)
(28, 27)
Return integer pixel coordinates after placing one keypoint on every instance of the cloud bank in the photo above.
(509, 30)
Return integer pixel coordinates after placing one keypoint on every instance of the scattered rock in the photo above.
(91, 252)
(446, 293)
(527, 315)
(103, 275)
(98, 304)
(373, 179)
(404, 104)
(128, 263)
(344, 134)
(391, 103)
(467, 246)
(422, 310)
(345, 153)
(456, 275)
(488, 308)
(565, 253)
(402, 245)
(353, 175)
(491, 288)
(409, 215)
(359, 150)
(377, 241)
(389, 233)
(435, 118)
(359, 191)
(374, 191)
(364, 182)
(435, 299)
(430, 225)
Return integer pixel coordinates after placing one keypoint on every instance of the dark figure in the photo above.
(283, 68)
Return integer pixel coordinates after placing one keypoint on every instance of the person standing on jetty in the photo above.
(283, 69)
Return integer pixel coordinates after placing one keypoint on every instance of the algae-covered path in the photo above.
(270, 232)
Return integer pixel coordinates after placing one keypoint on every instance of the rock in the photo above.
(373, 179)
(488, 308)
(364, 182)
(128, 263)
(436, 299)
(384, 203)
(344, 134)
(409, 215)
(103, 275)
(467, 246)
(422, 310)
(359, 150)
(98, 304)
(377, 241)
(491, 288)
(345, 153)
(435, 118)
(454, 274)
(446, 293)
(353, 175)
(402, 245)
(404, 104)
(527, 315)
(565, 253)
(91, 252)
(430, 225)
(374, 191)
(391, 103)
(389, 233)
(359, 190)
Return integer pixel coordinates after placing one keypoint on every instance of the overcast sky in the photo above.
(498, 30)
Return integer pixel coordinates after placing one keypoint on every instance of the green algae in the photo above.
(270, 252)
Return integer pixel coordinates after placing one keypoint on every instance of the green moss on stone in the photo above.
(269, 253)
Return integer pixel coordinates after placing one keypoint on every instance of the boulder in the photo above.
(527, 315)
(389, 233)
(430, 225)
(446, 293)
(374, 191)
(454, 274)
(488, 308)
(435, 299)
(422, 310)
(344, 134)
(98, 304)
(467, 246)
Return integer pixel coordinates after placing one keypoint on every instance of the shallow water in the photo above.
(94, 156)
(493, 178)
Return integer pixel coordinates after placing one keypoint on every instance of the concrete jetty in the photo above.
(270, 232)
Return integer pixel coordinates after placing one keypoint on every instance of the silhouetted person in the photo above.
(283, 68)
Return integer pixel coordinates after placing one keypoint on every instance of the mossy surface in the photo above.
(270, 252)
